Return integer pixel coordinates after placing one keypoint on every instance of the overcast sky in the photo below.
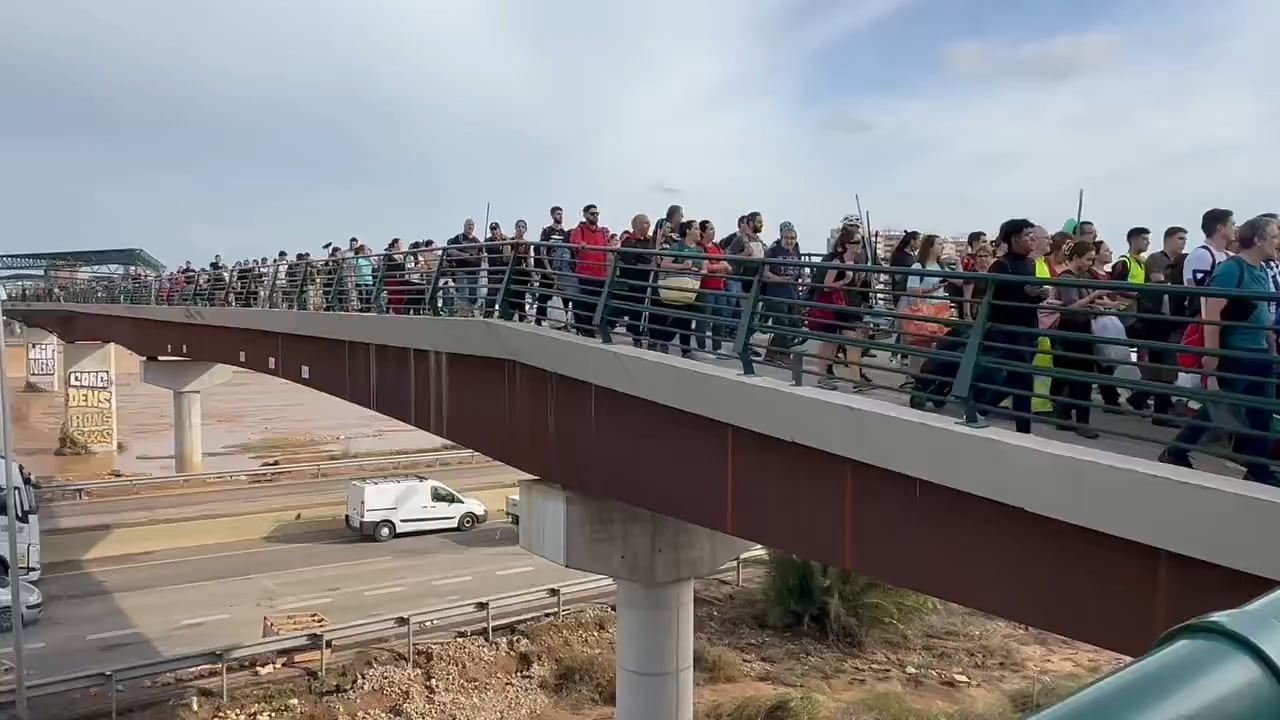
(249, 126)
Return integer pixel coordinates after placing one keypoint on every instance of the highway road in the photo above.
(151, 508)
(132, 608)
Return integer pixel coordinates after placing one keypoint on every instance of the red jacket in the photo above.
(592, 262)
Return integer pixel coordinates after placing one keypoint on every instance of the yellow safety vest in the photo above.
(1137, 272)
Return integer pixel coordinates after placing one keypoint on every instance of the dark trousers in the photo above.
(1018, 383)
(542, 295)
(584, 309)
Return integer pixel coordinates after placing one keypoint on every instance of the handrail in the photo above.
(471, 456)
(314, 640)
(982, 355)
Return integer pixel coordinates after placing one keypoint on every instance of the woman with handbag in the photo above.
(678, 282)
(926, 299)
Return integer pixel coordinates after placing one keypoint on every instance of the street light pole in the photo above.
(16, 603)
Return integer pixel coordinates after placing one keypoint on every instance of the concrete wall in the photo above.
(1105, 548)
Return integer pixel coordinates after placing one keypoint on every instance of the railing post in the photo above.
(222, 669)
(964, 387)
(601, 319)
(797, 369)
(408, 651)
(488, 621)
(559, 604)
(324, 655)
(742, 338)
(115, 702)
(737, 570)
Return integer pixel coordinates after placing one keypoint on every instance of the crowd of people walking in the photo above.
(677, 283)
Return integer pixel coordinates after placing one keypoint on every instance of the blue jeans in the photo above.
(1259, 372)
(734, 302)
(719, 308)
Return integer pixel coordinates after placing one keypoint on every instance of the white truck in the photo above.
(27, 513)
(513, 509)
(383, 508)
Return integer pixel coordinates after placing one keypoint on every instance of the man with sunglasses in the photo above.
(590, 241)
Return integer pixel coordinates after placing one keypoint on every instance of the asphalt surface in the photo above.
(239, 499)
(134, 608)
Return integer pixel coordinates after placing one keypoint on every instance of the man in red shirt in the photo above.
(590, 242)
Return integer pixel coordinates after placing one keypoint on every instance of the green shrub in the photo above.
(584, 679)
(813, 597)
(893, 706)
(717, 664)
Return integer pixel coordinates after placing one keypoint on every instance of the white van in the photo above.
(386, 507)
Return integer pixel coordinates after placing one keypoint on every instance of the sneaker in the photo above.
(827, 383)
(1087, 432)
(1175, 457)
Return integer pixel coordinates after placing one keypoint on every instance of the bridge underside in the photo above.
(1029, 568)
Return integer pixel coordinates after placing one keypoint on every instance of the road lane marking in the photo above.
(515, 571)
(384, 591)
(25, 646)
(304, 603)
(452, 581)
(254, 576)
(205, 619)
(111, 634)
(210, 556)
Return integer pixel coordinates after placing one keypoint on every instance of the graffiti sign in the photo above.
(42, 363)
(90, 410)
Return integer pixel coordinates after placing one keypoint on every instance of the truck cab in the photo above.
(383, 508)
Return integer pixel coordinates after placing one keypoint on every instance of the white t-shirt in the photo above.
(1200, 264)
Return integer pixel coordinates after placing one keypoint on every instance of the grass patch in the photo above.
(779, 706)
(891, 706)
(717, 664)
(843, 607)
(583, 679)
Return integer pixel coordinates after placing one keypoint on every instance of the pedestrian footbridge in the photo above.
(1084, 541)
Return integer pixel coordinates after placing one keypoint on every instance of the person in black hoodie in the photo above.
(1014, 318)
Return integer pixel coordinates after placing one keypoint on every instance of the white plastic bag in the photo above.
(1109, 327)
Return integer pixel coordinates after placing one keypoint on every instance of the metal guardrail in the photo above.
(1003, 344)
(468, 456)
(323, 639)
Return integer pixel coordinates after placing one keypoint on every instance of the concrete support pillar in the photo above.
(186, 378)
(654, 560)
(44, 359)
(655, 650)
(89, 419)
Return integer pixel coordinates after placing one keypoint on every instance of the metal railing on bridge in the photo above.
(980, 345)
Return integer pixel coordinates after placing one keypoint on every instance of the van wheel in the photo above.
(6, 619)
(384, 531)
(467, 521)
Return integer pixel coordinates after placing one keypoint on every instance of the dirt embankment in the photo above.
(947, 664)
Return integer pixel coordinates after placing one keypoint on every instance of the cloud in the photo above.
(1053, 59)
(242, 127)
